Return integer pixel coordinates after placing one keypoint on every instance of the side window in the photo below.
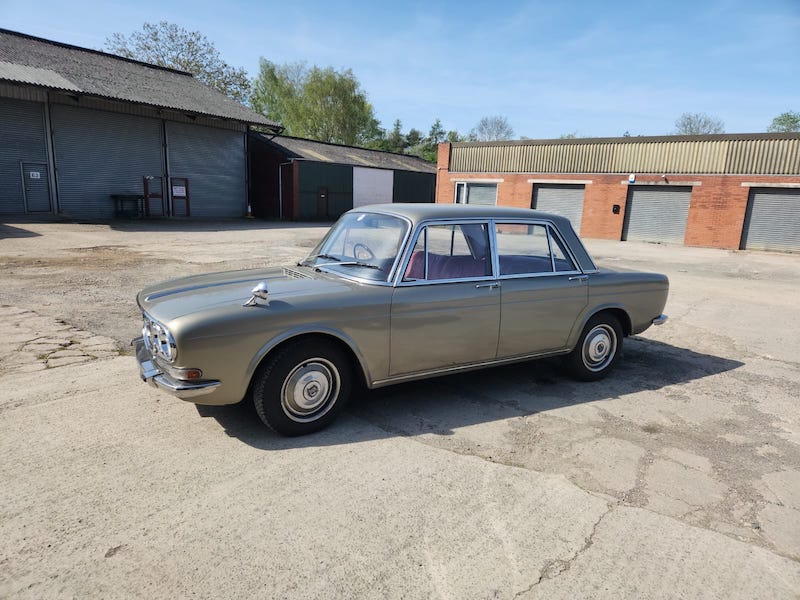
(529, 249)
(450, 252)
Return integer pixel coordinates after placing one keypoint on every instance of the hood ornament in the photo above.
(260, 292)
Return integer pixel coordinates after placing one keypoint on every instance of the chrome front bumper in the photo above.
(150, 373)
(660, 320)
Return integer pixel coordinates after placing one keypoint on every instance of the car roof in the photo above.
(417, 212)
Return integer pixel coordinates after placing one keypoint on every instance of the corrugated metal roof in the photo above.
(35, 76)
(293, 147)
(755, 153)
(53, 65)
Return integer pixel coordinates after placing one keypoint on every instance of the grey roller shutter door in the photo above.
(657, 214)
(773, 220)
(102, 153)
(22, 140)
(214, 162)
(564, 200)
(482, 193)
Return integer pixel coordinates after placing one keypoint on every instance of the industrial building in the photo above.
(300, 179)
(90, 135)
(723, 191)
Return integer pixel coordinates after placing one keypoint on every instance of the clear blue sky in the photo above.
(595, 68)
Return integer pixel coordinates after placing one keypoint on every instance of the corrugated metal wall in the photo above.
(743, 157)
(410, 186)
(336, 178)
(99, 154)
(214, 162)
(23, 139)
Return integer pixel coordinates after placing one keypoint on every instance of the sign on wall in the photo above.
(372, 186)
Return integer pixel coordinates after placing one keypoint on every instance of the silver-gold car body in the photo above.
(393, 293)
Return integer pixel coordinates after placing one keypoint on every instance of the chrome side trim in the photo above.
(660, 320)
(150, 373)
(464, 368)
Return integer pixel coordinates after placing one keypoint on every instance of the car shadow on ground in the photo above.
(440, 406)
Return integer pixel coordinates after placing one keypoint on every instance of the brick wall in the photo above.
(716, 212)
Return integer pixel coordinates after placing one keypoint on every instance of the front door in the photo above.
(36, 187)
(446, 311)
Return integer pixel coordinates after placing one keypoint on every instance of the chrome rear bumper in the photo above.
(150, 373)
(660, 320)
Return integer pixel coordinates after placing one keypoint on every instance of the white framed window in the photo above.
(476, 193)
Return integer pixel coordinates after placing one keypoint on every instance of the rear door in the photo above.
(543, 290)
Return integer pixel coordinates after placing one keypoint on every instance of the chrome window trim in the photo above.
(420, 227)
(550, 229)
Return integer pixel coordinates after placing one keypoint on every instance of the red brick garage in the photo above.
(722, 191)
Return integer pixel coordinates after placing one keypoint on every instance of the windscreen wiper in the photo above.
(323, 255)
(349, 263)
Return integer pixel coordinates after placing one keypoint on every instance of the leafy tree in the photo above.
(436, 134)
(396, 139)
(453, 137)
(169, 45)
(316, 103)
(493, 129)
(413, 137)
(785, 122)
(698, 124)
(568, 136)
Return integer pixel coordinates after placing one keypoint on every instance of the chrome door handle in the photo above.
(579, 278)
(491, 286)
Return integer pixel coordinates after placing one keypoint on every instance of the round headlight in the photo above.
(158, 339)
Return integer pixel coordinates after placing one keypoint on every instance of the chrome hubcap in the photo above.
(599, 347)
(310, 390)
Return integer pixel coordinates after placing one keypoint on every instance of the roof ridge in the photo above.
(299, 139)
(93, 51)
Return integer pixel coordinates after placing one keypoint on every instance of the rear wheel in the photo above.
(303, 387)
(598, 349)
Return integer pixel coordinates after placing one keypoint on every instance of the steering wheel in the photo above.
(362, 252)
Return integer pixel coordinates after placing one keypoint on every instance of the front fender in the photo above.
(306, 330)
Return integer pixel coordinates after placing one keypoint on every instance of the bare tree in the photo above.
(492, 129)
(698, 124)
(169, 45)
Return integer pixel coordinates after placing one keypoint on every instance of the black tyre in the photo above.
(303, 387)
(598, 349)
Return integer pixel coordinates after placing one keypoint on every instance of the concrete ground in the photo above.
(677, 477)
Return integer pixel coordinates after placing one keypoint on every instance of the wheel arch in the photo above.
(616, 310)
(360, 369)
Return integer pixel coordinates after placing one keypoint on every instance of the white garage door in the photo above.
(655, 214)
(773, 220)
(564, 200)
(372, 186)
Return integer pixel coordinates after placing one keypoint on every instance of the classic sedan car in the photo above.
(393, 293)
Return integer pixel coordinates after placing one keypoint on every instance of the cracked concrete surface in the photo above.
(679, 476)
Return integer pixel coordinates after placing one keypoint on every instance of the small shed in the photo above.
(299, 179)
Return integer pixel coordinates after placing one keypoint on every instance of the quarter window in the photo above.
(524, 249)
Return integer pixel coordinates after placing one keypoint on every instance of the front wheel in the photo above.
(598, 349)
(303, 387)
